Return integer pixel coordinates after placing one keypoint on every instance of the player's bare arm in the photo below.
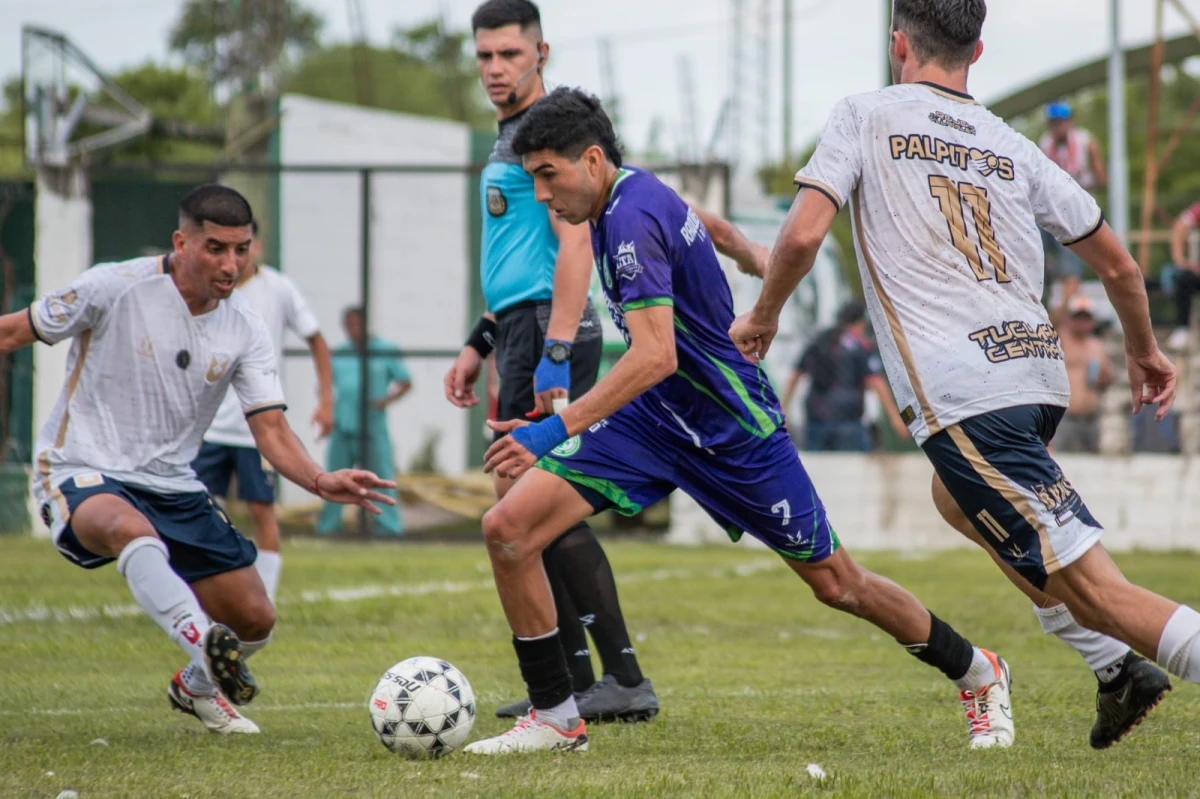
(279, 445)
(750, 257)
(572, 278)
(795, 252)
(16, 331)
(649, 360)
(323, 416)
(1151, 374)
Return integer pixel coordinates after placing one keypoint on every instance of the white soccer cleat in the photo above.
(989, 712)
(1178, 340)
(531, 735)
(214, 711)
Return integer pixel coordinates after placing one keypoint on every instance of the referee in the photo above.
(536, 271)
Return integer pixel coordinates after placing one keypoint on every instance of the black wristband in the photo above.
(483, 337)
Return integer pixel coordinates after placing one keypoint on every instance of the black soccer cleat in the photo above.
(608, 700)
(515, 710)
(223, 656)
(1141, 686)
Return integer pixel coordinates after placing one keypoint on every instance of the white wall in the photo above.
(62, 252)
(883, 502)
(419, 253)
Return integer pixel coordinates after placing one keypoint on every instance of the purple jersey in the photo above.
(651, 249)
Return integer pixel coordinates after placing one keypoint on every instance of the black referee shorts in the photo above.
(520, 340)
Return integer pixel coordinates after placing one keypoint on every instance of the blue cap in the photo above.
(1058, 111)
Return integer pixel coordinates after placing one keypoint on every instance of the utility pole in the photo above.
(787, 81)
(1118, 155)
(736, 84)
(764, 79)
(887, 32)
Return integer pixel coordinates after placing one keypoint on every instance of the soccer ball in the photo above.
(422, 707)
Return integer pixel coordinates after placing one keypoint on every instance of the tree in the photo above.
(426, 73)
(243, 44)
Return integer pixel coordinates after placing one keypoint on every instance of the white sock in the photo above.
(565, 716)
(268, 565)
(196, 681)
(250, 647)
(1102, 653)
(165, 597)
(981, 674)
(1179, 646)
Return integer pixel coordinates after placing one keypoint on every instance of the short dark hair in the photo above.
(567, 121)
(353, 310)
(218, 204)
(851, 313)
(943, 31)
(254, 227)
(498, 13)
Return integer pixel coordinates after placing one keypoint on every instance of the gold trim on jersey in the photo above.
(889, 310)
(949, 95)
(991, 475)
(824, 188)
(1093, 230)
(85, 341)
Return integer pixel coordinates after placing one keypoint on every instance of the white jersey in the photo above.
(275, 298)
(946, 202)
(144, 378)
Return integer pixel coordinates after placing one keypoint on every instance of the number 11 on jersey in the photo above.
(950, 197)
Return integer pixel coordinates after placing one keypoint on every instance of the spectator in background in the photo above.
(842, 364)
(387, 381)
(1187, 275)
(1078, 154)
(1088, 371)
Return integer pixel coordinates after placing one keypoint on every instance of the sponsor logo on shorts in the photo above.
(88, 480)
(1060, 498)
(568, 448)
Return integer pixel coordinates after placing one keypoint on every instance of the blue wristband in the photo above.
(541, 437)
(550, 374)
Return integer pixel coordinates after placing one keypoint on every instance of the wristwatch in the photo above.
(558, 352)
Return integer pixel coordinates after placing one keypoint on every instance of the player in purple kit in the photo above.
(681, 409)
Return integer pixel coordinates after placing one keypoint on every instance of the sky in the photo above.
(839, 49)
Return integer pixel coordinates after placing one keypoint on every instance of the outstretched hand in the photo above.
(353, 487)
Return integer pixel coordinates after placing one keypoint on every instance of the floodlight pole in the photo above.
(1151, 179)
(787, 81)
(1118, 155)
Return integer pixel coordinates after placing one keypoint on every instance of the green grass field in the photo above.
(757, 681)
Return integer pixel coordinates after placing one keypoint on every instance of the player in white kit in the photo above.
(946, 202)
(228, 446)
(155, 344)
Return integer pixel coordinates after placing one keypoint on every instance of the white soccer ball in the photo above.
(422, 707)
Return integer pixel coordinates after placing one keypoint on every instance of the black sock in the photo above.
(579, 561)
(544, 668)
(570, 630)
(946, 650)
